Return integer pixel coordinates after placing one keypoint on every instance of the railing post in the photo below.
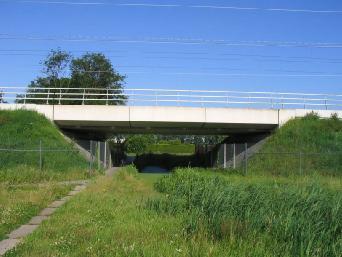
(107, 98)
(48, 96)
(83, 96)
(326, 106)
(60, 96)
(25, 98)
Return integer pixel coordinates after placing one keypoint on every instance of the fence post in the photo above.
(91, 156)
(234, 156)
(40, 156)
(224, 156)
(105, 155)
(300, 163)
(246, 159)
(99, 155)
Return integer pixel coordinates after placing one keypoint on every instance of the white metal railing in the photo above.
(170, 97)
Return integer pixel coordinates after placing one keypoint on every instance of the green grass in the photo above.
(302, 216)
(22, 129)
(19, 203)
(183, 149)
(110, 218)
(309, 136)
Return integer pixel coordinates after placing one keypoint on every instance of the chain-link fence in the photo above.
(85, 154)
(248, 159)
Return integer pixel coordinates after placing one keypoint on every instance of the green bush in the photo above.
(138, 144)
(306, 220)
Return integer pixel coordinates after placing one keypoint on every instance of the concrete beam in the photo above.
(165, 119)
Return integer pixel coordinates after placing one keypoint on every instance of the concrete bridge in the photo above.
(100, 113)
(103, 120)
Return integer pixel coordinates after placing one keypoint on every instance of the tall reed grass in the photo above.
(305, 221)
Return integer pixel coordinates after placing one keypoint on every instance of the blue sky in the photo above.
(235, 65)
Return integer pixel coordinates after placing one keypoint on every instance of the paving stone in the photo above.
(57, 204)
(23, 231)
(72, 193)
(8, 244)
(47, 211)
(79, 188)
(37, 220)
(66, 198)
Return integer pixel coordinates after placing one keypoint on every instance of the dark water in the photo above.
(154, 169)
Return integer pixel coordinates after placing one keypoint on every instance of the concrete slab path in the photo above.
(15, 237)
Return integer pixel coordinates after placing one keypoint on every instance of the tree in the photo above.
(2, 100)
(54, 68)
(90, 71)
(95, 71)
(138, 143)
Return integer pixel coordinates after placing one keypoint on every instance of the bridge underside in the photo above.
(106, 129)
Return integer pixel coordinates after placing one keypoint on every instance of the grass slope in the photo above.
(23, 129)
(305, 145)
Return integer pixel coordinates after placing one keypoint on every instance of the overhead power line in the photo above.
(183, 41)
(238, 74)
(175, 54)
(199, 58)
(148, 5)
(284, 73)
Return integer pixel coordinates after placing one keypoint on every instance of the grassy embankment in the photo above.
(24, 189)
(302, 146)
(25, 130)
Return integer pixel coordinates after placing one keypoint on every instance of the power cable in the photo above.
(212, 7)
(184, 41)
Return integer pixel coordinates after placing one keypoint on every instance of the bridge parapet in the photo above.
(169, 97)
